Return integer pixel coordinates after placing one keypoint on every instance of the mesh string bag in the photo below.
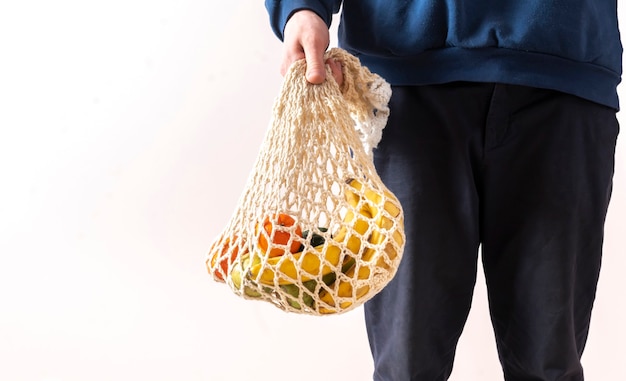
(315, 230)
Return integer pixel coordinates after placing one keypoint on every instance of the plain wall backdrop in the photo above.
(127, 132)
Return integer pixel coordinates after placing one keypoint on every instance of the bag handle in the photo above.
(365, 94)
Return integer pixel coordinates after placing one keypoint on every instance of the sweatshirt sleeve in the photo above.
(281, 10)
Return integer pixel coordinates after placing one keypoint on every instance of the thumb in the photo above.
(315, 70)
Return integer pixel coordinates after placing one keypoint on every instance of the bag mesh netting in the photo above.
(315, 231)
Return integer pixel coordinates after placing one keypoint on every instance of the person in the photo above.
(500, 140)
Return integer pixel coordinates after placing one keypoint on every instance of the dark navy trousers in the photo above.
(525, 175)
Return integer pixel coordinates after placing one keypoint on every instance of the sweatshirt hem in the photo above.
(585, 80)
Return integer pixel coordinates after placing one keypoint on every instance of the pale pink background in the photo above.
(127, 131)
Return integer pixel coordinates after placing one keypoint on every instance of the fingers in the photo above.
(336, 68)
(316, 72)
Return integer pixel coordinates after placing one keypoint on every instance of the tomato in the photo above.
(279, 228)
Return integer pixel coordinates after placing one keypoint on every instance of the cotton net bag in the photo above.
(316, 231)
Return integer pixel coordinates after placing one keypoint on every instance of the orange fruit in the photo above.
(220, 253)
(278, 228)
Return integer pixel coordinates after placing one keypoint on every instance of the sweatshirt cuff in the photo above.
(280, 12)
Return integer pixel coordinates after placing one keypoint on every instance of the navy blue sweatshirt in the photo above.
(571, 46)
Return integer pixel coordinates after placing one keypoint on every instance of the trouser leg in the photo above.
(527, 172)
(426, 158)
(547, 182)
